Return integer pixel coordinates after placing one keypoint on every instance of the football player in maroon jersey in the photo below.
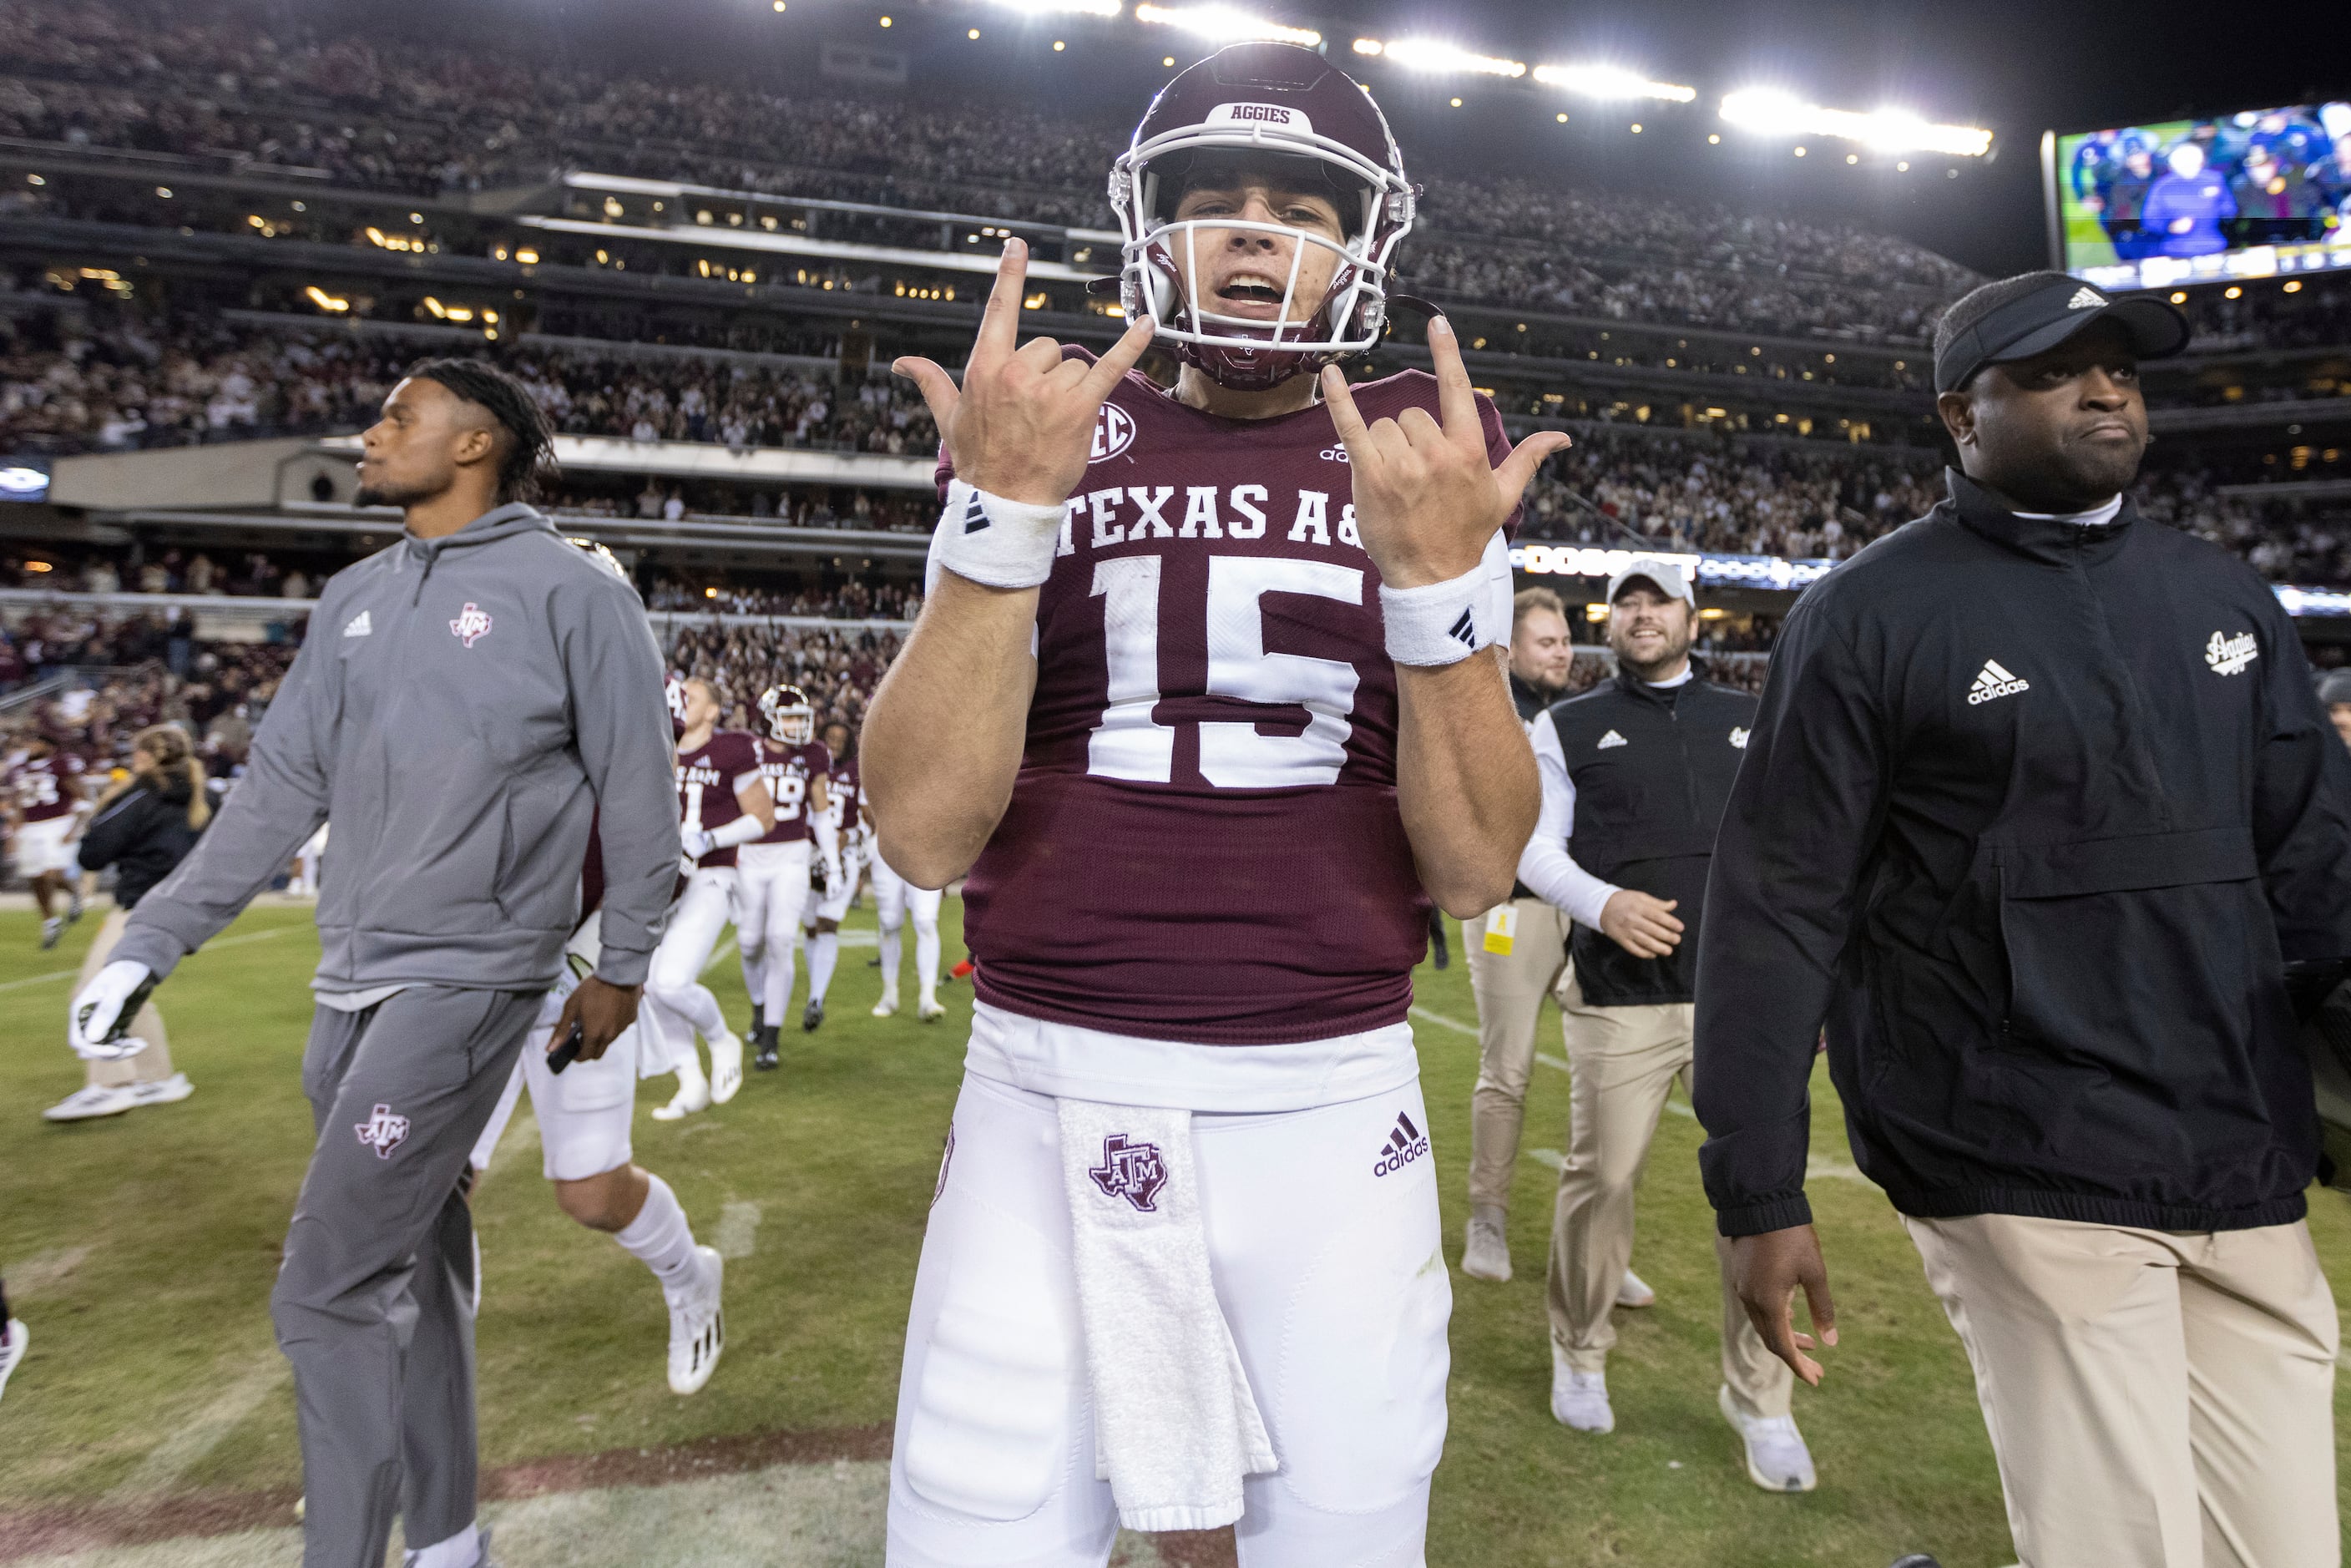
(46, 801)
(828, 902)
(722, 804)
(773, 873)
(1205, 704)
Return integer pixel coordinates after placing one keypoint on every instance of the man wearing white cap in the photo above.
(1635, 774)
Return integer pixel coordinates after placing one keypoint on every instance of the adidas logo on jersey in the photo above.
(1609, 739)
(2230, 655)
(1991, 681)
(1405, 1143)
(2085, 298)
(359, 625)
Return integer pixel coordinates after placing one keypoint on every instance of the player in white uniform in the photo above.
(772, 875)
(894, 899)
(723, 803)
(584, 1112)
(820, 920)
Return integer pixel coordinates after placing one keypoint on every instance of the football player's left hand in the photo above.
(695, 842)
(1427, 497)
(604, 1011)
(831, 868)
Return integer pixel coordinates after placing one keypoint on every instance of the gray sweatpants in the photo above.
(374, 1301)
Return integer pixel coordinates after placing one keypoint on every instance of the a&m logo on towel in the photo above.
(382, 1132)
(1132, 1171)
(472, 621)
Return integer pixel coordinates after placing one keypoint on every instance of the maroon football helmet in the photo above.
(1287, 108)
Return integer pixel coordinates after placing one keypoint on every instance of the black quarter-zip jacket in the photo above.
(2033, 816)
(1652, 770)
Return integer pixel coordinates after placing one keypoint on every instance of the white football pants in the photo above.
(771, 889)
(584, 1114)
(682, 1005)
(894, 898)
(1325, 1254)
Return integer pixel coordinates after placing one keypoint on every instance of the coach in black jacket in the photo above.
(2038, 807)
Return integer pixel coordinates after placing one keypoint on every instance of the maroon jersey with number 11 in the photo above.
(1204, 843)
(707, 777)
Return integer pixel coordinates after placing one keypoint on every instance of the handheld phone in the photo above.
(564, 1055)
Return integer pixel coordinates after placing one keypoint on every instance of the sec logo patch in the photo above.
(1113, 432)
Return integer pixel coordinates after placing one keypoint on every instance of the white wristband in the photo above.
(1444, 622)
(743, 830)
(991, 541)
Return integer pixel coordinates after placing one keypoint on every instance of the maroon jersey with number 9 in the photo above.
(1204, 843)
(788, 769)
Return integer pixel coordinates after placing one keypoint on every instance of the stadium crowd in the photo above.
(134, 383)
(438, 120)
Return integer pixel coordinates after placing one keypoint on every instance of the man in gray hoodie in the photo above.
(465, 702)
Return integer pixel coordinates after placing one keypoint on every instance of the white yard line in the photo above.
(738, 1235)
(191, 1439)
(1550, 1159)
(56, 975)
(43, 1270)
(1441, 1022)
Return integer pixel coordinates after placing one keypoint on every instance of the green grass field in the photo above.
(140, 1251)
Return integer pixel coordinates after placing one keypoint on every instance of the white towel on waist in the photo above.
(1174, 1423)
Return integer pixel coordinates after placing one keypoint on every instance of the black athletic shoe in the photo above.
(764, 1059)
(811, 1015)
(1441, 953)
(758, 1022)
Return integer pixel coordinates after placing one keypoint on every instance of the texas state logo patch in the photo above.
(472, 623)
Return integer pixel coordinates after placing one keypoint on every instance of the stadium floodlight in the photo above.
(1226, 25)
(1770, 112)
(1057, 7)
(1435, 55)
(1611, 82)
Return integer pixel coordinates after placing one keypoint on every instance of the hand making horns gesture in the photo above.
(1427, 497)
(1022, 425)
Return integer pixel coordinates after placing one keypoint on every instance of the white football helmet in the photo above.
(792, 717)
(1262, 104)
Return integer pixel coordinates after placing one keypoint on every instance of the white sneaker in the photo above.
(1580, 1399)
(163, 1092)
(1486, 1255)
(929, 1010)
(91, 1101)
(697, 1325)
(726, 1067)
(692, 1094)
(12, 1351)
(887, 1007)
(1635, 1292)
(1777, 1459)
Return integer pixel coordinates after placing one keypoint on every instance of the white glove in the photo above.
(832, 878)
(100, 1003)
(696, 842)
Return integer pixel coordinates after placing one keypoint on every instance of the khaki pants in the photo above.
(2156, 1399)
(1624, 1058)
(1509, 988)
(151, 1065)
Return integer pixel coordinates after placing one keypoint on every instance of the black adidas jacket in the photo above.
(1652, 771)
(2033, 816)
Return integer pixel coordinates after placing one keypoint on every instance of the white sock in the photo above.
(825, 951)
(927, 954)
(777, 975)
(754, 976)
(697, 1006)
(463, 1550)
(689, 1070)
(659, 1237)
(889, 960)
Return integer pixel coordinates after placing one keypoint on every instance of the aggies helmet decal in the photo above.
(1260, 105)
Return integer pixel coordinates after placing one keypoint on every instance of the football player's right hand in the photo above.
(1642, 926)
(1427, 498)
(100, 1007)
(1022, 425)
(695, 842)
